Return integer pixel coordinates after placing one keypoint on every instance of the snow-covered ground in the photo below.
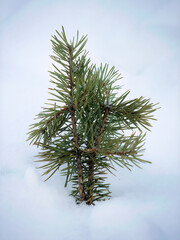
(141, 39)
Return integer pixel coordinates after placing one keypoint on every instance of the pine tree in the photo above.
(87, 129)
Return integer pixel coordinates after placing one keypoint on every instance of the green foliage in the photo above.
(84, 132)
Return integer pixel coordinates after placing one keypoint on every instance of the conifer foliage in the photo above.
(87, 129)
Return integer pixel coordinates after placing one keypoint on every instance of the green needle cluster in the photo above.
(87, 130)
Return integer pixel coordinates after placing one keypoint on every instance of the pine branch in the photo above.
(135, 113)
(88, 133)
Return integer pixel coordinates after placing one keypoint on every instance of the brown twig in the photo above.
(75, 136)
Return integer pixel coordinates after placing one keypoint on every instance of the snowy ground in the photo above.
(143, 207)
(142, 42)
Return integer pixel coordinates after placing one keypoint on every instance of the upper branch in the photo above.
(135, 113)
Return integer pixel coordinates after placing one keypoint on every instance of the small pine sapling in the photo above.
(87, 129)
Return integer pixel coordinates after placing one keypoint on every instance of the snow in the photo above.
(135, 37)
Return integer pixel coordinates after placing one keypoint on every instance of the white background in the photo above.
(141, 39)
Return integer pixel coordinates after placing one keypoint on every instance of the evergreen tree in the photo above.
(87, 129)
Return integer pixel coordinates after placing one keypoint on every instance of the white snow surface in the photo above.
(140, 38)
